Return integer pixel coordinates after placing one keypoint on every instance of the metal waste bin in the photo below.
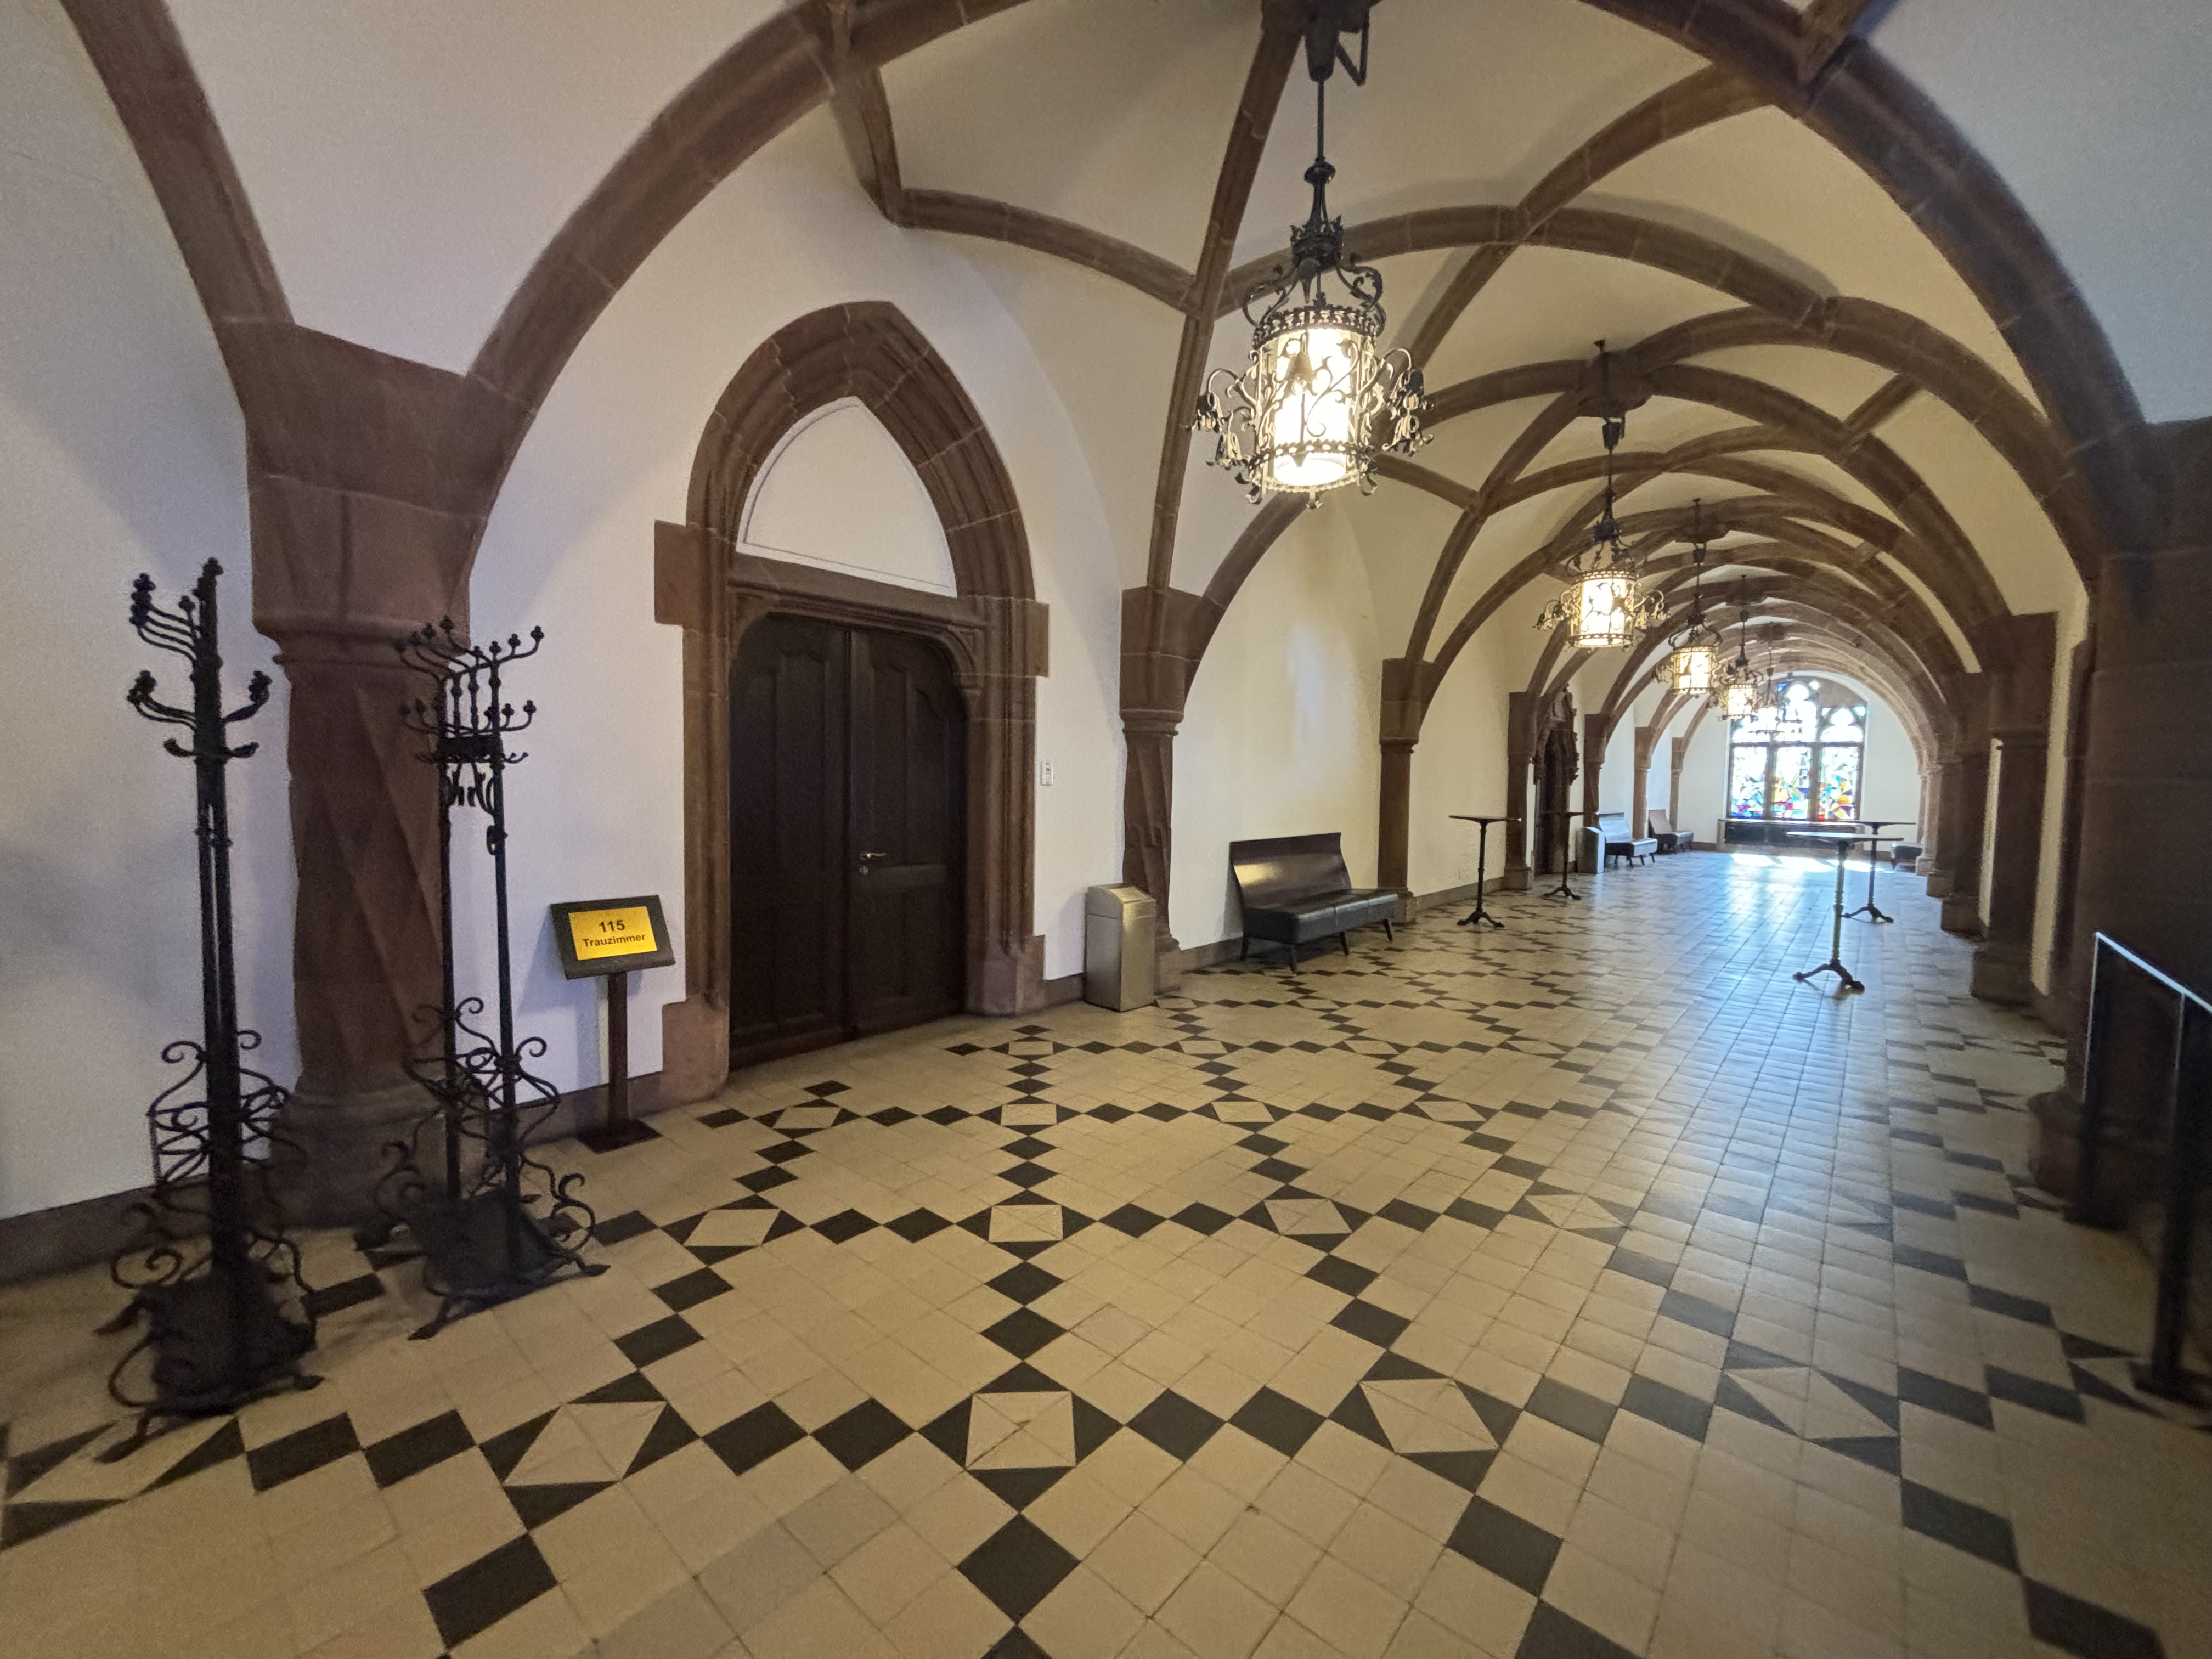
(1121, 960)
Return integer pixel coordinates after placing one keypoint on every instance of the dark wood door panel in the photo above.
(909, 829)
(848, 794)
(789, 712)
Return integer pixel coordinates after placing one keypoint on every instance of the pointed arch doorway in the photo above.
(989, 638)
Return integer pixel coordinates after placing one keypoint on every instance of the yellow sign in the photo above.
(600, 934)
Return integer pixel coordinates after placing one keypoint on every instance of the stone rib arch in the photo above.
(1865, 458)
(1558, 667)
(1905, 646)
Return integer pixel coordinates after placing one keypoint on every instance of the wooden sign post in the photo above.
(611, 940)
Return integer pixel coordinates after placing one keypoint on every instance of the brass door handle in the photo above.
(868, 857)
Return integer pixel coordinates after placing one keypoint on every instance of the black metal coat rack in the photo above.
(495, 1223)
(211, 1273)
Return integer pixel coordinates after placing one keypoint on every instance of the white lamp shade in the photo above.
(1690, 670)
(1312, 381)
(1601, 609)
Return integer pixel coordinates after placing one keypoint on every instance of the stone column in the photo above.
(1002, 793)
(1394, 829)
(1639, 804)
(2146, 782)
(1518, 722)
(2019, 660)
(1407, 684)
(1164, 634)
(1148, 809)
(369, 479)
(1962, 805)
(365, 936)
(1596, 730)
(1931, 822)
(1968, 811)
(2002, 969)
(1936, 863)
(1677, 749)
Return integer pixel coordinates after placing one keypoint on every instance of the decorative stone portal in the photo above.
(994, 630)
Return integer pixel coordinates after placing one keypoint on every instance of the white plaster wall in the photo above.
(122, 450)
(1280, 734)
(598, 807)
(408, 159)
(838, 492)
(1460, 767)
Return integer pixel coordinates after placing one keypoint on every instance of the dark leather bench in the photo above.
(1663, 832)
(1621, 843)
(1295, 890)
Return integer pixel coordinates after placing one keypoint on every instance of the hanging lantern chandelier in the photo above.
(1690, 666)
(1742, 689)
(1320, 402)
(1604, 605)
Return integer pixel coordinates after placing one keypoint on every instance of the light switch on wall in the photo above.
(1044, 775)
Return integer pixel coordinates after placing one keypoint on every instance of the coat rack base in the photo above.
(485, 1249)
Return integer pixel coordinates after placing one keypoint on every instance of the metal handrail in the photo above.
(2190, 1099)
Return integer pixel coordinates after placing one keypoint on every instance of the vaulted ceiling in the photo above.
(1531, 175)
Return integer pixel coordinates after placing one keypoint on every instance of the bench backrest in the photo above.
(1614, 826)
(1659, 823)
(1283, 869)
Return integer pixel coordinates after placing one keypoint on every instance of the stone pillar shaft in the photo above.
(1596, 730)
(2144, 779)
(1518, 733)
(2002, 971)
(2018, 658)
(1395, 827)
(1639, 803)
(1677, 749)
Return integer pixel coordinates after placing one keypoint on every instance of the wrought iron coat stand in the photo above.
(212, 1275)
(460, 1115)
(496, 1224)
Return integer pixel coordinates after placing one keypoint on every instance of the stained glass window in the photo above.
(1790, 794)
(1802, 758)
(1839, 781)
(1747, 782)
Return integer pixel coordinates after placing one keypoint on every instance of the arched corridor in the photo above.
(794, 448)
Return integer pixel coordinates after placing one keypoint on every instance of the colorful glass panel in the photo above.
(1839, 781)
(1792, 796)
(1747, 782)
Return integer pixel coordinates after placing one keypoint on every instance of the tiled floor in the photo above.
(1583, 1289)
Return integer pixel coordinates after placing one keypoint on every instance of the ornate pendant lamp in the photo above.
(1604, 605)
(1742, 689)
(1690, 666)
(1320, 402)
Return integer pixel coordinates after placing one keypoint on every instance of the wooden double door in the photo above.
(848, 831)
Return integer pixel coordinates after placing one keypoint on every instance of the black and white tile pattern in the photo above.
(1496, 1295)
